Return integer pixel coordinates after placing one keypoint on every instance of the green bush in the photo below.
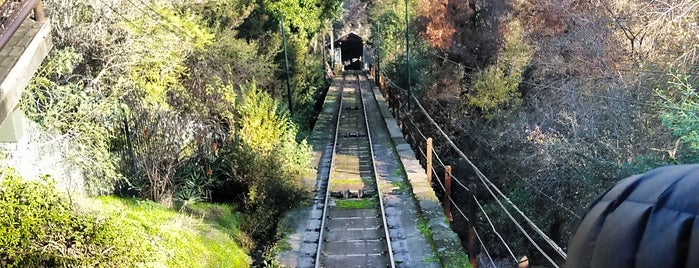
(67, 104)
(40, 228)
(683, 118)
(265, 158)
(496, 87)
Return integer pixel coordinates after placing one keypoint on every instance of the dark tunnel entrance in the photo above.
(352, 51)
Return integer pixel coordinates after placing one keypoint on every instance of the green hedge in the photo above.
(40, 228)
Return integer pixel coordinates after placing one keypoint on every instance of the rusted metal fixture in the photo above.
(13, 13)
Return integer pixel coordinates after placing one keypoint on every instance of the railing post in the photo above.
(429, 161)
(447, 198)
(471, 214)
(471, 246)
(39, 14)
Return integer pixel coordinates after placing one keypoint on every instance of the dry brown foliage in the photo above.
(589, 114)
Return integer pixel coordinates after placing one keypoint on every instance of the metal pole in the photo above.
(332, 47)
(407, 51)
(288, 79)
(378, 53)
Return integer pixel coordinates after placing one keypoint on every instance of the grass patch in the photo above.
(401, 185)
(422, 226)
(207, 235)
(356, 203)
(400, 172)
(431, 259)
(346, 181)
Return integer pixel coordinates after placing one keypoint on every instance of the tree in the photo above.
(682, 118)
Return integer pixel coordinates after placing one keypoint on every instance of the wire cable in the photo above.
(458, 181)
(416, 128)
(551, 198)
(460, 65)
(489, 184)
(519, 226)
(480, 241)
(122, 15)
(494, 230)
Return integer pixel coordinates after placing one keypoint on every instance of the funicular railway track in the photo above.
(353, 229)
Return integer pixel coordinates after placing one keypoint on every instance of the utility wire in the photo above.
(122, 15)
(416, 128)
(468, 220)
(461, 212)
(460, 65)
(489, 184)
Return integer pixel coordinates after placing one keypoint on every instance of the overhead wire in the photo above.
(453, 62)
(519, 226)
(423, 153)
(490, 185)
(468, 220)
(149, 7)
(646, 104)
(572, 91)
(121, 15)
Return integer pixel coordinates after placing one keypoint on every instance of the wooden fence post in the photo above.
(447, 198)
(429, 160)
(39, 14)
(471, 246)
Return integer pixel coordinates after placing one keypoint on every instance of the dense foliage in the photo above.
(40, 228)
(554, 100)
(681, 117)
(182, 102)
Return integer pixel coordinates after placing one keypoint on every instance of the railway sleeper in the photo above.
(354, 134)
(346, 194)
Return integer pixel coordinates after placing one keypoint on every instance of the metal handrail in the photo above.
(12, 15)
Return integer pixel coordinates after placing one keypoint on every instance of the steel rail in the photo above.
(376, 175)
(327, 184)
